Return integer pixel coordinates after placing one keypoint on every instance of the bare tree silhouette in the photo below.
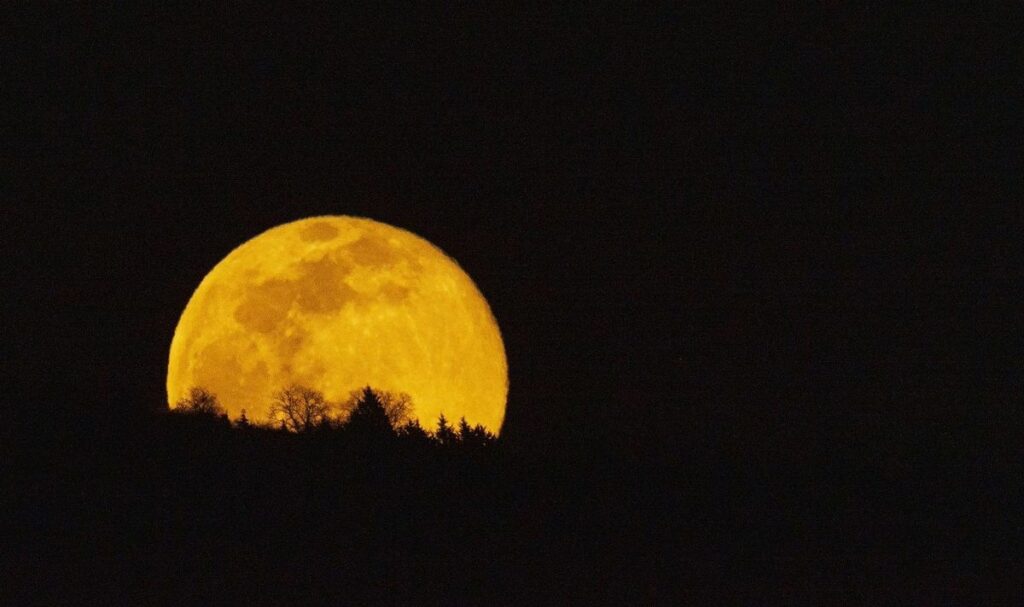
(200, 401)
(397, 406)
(300, 409)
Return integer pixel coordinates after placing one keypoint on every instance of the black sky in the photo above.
(802, 219)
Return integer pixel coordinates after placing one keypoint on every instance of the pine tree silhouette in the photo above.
(369, 415)
(474, 437)
(445, 434)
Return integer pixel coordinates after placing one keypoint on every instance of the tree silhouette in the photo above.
(413, 431)
(300, 409)
(474, 437)
(397, 407)
(200, 401)
(445, 434)
(368, 413)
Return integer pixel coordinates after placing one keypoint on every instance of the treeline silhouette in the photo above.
(367, 413)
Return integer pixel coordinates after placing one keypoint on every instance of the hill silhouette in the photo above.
(187, 507)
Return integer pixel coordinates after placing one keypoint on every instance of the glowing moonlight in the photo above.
(336, 303)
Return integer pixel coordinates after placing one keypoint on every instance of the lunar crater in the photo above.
(374, 252)
(319, 231)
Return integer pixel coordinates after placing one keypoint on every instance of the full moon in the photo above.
(336, 303)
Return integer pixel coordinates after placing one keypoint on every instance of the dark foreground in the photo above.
(182, 510)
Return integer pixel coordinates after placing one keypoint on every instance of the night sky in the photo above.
(801, 226)
(776, 253)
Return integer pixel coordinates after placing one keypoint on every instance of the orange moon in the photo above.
(336, 303)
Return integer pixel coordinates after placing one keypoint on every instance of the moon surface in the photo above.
(336, 303)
